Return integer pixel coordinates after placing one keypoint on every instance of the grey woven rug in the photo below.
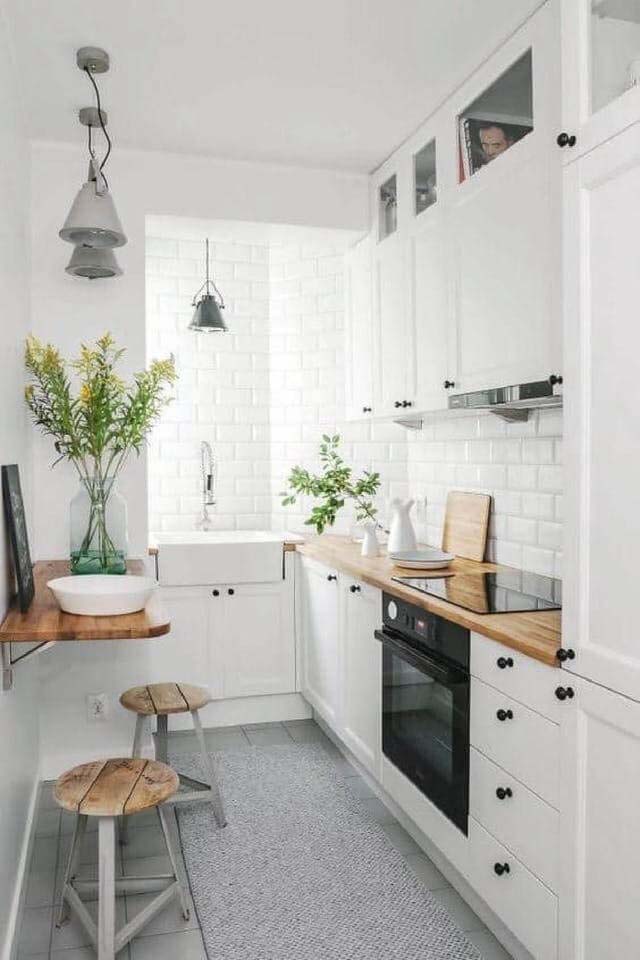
(302, 871)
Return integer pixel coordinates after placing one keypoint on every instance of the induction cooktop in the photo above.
(504, 592)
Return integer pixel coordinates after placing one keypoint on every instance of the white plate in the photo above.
(422, 559)
(102, 595)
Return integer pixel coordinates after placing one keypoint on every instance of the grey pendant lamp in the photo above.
(93, 263)
(207, 316)
(92, 221)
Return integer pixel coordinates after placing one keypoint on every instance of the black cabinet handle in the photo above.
(504, 714)
(366, 409)
(397, 404)
(555, 378)
(562, 654)
(215, 593)
(501, 868)
(354, 588)
(407, 403)
(503, 792)
(504, 662)
(566, 139)
(331, 576)
(565, 693)
(231, 591)
(448, 384)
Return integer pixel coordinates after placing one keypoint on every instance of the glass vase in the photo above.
(98, 528)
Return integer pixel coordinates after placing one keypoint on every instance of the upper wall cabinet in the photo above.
(359, 331)
(504, 230)
(601, 71)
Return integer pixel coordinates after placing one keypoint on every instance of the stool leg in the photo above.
(162, 739)
(176, 858)
(210, 774)
(106, 888)
(138, 743)
(79, 829)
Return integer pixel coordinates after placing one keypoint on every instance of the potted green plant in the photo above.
(95, 426)
(333, 487)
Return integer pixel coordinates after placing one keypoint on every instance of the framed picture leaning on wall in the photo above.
(16, 525)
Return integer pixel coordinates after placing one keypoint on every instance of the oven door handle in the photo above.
(421, 661)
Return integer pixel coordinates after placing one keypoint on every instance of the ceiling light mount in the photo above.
(92, 117)
(93, 59)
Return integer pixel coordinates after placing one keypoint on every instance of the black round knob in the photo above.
(331, 576)
(504, 662)
(555, 378)
(354, 588)
(503, 792)
(397, 404)
(565, 693)
(504, 714)
(216, 593)
(366, 409)
(448, 384)
(563, 655)
(231, 591)
(501, 868)
(566, 140)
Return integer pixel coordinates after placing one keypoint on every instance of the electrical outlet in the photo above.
(97, 707)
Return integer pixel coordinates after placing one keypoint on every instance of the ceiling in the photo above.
(336, 84)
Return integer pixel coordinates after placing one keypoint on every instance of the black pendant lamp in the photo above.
(207, 317)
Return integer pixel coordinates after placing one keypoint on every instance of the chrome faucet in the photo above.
(208, 484)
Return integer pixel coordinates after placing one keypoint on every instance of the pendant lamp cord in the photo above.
(208, 283)
(102, 125)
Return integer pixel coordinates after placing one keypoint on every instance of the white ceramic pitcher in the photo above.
(401, 535)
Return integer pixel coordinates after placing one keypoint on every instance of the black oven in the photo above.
(425, 703)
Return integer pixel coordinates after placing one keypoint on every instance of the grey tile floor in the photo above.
(168, 937)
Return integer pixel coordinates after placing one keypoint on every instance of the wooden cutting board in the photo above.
(466, 523)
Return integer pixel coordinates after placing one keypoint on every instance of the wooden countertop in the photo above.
(44, 621)
(537, 635)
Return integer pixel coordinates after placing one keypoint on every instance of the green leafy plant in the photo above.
(97, 425)
(333, 487)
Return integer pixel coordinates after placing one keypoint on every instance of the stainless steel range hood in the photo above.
(512, 403)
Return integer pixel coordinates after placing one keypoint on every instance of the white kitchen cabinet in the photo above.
(601, 71)
(395, 370)
(602, 348)
(359, 332)
(361, 671)
(600, 825)
(253, 624)
(504, 246)
(320, 642)
(187, 652)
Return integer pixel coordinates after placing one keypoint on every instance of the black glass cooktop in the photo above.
(504, 592)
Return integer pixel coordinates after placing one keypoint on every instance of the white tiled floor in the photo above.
(168, 936)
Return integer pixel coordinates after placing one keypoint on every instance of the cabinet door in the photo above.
(395, 351)
(359, 333)
(361, 669)
(600, 825)
(601, 71)
(187, 653)
(504, 252)
(320, 669)
(429, 310)
(257, 636)
(600, 616)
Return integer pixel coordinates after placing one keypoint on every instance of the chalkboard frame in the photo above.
(18, 534)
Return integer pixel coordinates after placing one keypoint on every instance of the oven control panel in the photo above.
(427, 630)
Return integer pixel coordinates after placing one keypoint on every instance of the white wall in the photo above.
(18, 717)
(68, 310)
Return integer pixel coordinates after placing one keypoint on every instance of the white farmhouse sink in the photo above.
(219, 556)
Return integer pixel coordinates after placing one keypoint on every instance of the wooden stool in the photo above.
(159, 700)
(108, 789)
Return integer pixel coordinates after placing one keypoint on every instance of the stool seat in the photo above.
(160, 699)
(116, 787)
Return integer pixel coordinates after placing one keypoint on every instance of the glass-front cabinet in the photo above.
(601, 60)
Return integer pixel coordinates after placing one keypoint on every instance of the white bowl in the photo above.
(101, 594)
(431, 559)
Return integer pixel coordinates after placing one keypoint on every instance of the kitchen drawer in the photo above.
(523, 822)
(524, 744)
(527, 680)
(527, 907)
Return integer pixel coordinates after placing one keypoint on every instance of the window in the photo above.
(388, 207)
(424, 175)
(497, 119)
(615, 49)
